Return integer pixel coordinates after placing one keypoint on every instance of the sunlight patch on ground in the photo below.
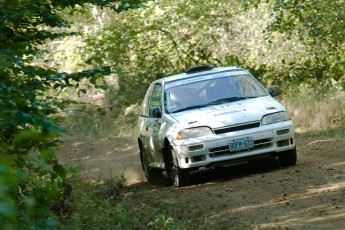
(318, 141)
(318, 214)
(323, 219)
(77, 144)
(328, 188)
(339, 164)
(309, 193)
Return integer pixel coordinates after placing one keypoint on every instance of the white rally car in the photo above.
(209, 117)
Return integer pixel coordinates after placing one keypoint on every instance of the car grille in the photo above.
(224, 150)
(237, 128)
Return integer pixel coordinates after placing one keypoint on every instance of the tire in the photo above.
(177, 176)
(288, 158)
(150, 173)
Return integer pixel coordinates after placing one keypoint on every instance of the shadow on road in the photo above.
(225, 173)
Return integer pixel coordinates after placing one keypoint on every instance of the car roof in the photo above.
(205, 72)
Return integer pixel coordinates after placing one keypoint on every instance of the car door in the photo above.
(143, 133)
(153, 124)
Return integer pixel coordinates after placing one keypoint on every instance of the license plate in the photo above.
(241, 143)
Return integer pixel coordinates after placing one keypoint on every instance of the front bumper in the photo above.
(212, 150)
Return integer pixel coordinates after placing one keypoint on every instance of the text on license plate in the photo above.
(241, 143)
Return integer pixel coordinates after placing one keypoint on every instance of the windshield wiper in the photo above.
(190, 107)
(228, 99)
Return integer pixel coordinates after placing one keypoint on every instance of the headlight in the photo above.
(194, 132)
(275, 117)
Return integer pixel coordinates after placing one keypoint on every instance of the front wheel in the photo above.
(178, 177)
(150, 174)
(288, 158)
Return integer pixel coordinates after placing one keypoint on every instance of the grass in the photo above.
(332, 132)
(316, 113)
(97, 205)
(110, 205)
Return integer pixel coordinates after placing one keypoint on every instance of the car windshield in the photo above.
(201, 92)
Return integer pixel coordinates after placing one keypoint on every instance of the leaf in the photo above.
(93, 80)
(106, 70)
(60, 170)
(83, 91)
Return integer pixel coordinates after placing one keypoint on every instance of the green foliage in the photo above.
(31, 178)
(318, 26)
(297, 44)
(166, 38)
(103, 216)
(162, 39)
(289, 43)
(107, 202)
(117, 207)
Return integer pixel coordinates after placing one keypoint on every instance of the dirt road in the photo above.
(260, 195)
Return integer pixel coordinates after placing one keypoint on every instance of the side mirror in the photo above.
(274, 90)
(156, 112)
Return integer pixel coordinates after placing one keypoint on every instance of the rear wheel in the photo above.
(178, 177)
(150, 173)
(288, 158)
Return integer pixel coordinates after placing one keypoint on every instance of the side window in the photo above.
(145, 105)
(155, 99)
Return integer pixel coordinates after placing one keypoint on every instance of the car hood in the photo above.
(227, 114)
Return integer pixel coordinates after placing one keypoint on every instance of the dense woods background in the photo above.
(81, 67)
(296, 45)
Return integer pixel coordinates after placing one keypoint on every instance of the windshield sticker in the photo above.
(202, 78)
